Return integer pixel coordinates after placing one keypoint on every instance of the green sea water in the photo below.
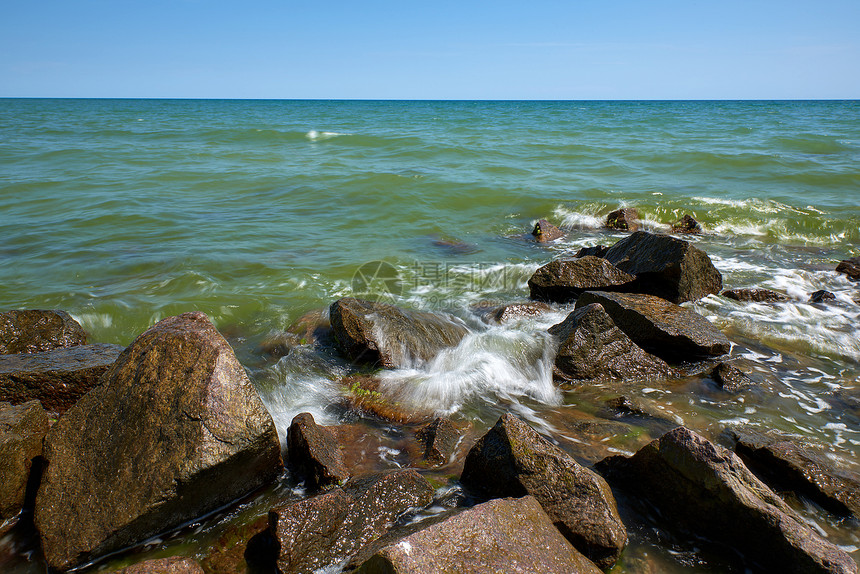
(123, 212)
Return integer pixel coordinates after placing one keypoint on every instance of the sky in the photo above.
(439, 49)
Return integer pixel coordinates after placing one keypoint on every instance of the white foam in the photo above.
(315, 135)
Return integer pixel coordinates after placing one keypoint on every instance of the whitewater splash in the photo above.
(315, 135)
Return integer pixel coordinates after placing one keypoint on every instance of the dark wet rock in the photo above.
(362, 394)
(22, 429)
(331, 527)
(755, 295)
(730, 378)
(513, 311)
(787, 465)
(56, 378)
(235, 549)
(504, 535)
(313, 453)
(623, 219)
(563, 280)
(594, 250)
(687, 225)
(514, 460)
(438, 439)
(627, 407)
(821, 296)
(850, 267)
(172, 565)
(454, 247)
(34, 331)
(708, 491)
(592, 348)
(665, 266)
(175, 430)
(660, 327)
(387, 336)
(545, 231)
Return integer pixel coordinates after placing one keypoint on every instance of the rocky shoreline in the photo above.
(108, 447)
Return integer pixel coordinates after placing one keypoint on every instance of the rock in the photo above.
(755, 295)
(175, 430)
(57, 378)
(595, 250)
(665, 266)
(730, 378)
(707, 490)
(821, 296)
(545, 231)
(787, 465)
(623, 219)
(363, 395)
(235, 550)
(512, 311)
(384, 335)
(660, 327)
(514, 460)
(593, 348)
(172, 565)
(313, 453)
(22, 429)
(438, 439)
(329, 528)
(626, 407)
(850, 267)
(563, 280)
(454, 247)
(34, 331)
(687, 225)
(505, 535)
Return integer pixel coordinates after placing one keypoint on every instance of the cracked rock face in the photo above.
(175, 430)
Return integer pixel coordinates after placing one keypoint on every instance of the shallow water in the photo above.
(124, 212)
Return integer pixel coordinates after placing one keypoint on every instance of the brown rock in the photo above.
(731, 378)
(506, 535)
(564, 280)
(545, 231)
(755, 295)
(623, 219)
(595, 250)
(438, 439)
(172, 565)
(175, 430)
(687, 225)
(313, 453)
(513, 460)
(512, 311)
(821, 296)
(22, 429)
(33, 331)
(850, 267)
(363, 395)
(57, 378)
(235, 552)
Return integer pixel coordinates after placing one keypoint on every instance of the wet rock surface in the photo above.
(313, 453)
(332, 527)
(387, 336)
(706, 491)
(505, 535)
(22, 429)
(173, 565)
(545, 231)
(592, 348)
(755, 295)
(669, 331)
(731, 378)
(850, 267)
(438, 441)
(623, 219)
(595, 250)
(174, 431)
(57, 378)
(35, 330)
(563, 280)
(514, 460)
(513, 311)
(687, 224)
(821, 296)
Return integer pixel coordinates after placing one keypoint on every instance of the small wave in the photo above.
(587, 217)
(315, 135)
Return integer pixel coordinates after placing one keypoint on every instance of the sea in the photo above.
(260, 212)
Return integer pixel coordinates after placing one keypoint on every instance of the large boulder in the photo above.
(57, 378)
(850, 267)
(22, 429)
(175, 430)
(545, 231)
(36, 330)
(503, 535)
(313, 453)
(786, 464)
(706, 490)
(329, 528)
(669, 331)
(384, 335)
(514, 460)
(565, 279)
(665, 266)
(592, 348)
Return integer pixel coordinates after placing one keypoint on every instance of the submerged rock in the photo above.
(687, 225)
(665, 266)
(175, 430)
(563, 280)
(707, 490)
(504, 535)
(35, 330)
(313, 453)
(850, 267)
(660, 327)
(329, 528)
(514, 460)
(362, 394)
(755, 295)
(22, 429)
(545, 231)
(512, 311)
(57, 378)
(387, 336)
(593, 348)
(623, 219)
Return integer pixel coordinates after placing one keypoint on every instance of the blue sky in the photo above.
(431, 50)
